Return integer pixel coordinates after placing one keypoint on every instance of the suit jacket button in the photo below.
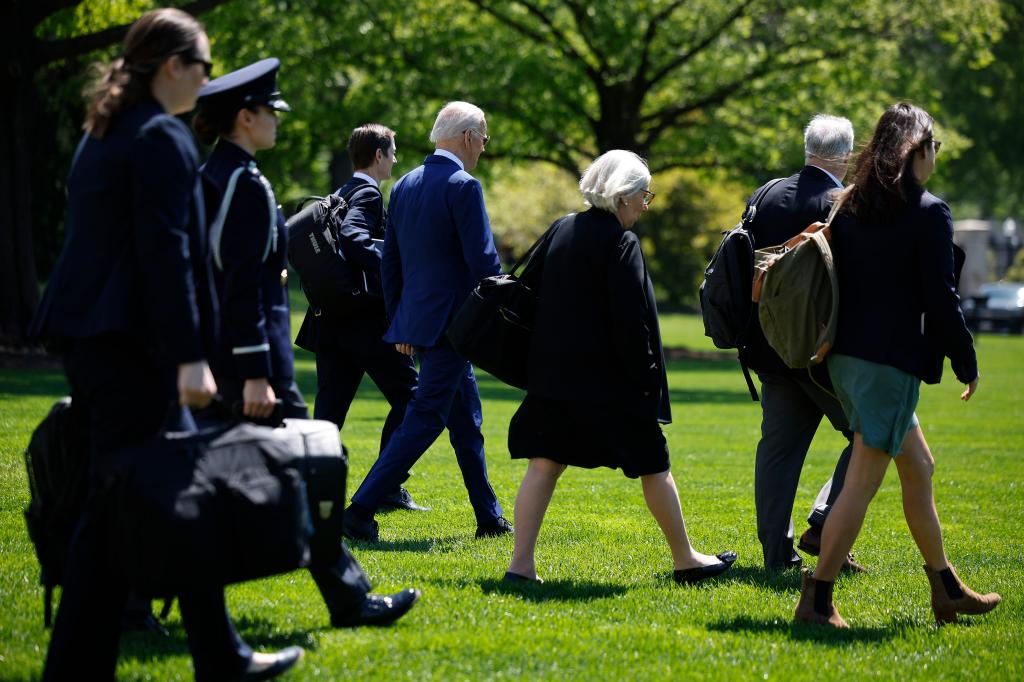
(284, 277)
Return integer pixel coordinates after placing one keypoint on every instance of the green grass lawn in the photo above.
(609, 610)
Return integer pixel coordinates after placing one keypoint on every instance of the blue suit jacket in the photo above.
(437, 247)
(134, 258)
(250, 252)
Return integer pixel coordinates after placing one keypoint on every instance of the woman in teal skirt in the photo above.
(899, 317)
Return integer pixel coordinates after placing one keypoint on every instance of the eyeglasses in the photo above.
(485, 138)
(936, 144)
(648, 197)
(192, 59)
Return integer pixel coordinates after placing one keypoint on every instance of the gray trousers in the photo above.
(792, 407)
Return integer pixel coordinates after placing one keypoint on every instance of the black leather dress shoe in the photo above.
(378, 609)
(401, 499)
(511, 577)
(810, 543)
(690, 576)
(492, 529)
(281, 661)
(357, 527)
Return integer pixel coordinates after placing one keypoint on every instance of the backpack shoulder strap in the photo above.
(750, 212)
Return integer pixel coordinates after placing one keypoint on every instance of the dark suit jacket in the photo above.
(363, 223)
(250, 252)
(898, 303)
(134, 258)
(437, 248)
(596, 337)
(786, 210)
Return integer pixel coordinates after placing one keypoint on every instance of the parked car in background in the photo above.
(998, 307)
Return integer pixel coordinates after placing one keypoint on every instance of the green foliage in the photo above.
(609, 609)
(1016, 271)
(682, 229)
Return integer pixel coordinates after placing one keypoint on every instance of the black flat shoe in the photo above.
(283, 660)
(378, 609)
(511, 577)
(691, 576)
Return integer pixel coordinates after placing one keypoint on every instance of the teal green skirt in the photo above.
(879, 400)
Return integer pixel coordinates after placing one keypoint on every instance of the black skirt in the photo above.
(588, 436)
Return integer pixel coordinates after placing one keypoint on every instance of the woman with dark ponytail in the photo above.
(130, 307)
(899, 317)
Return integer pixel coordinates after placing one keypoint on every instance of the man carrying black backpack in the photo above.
(792, 403)
(348, 342)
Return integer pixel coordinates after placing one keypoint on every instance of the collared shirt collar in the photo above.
(369, 179)
(834, 179)
(448, 155)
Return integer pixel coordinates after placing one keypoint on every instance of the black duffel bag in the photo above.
(493, 327)
(221, 506)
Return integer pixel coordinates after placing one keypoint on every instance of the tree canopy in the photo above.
(717, 91)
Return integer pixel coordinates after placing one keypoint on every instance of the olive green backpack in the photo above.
(797, 292)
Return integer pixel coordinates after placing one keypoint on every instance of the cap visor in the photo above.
(278, 104)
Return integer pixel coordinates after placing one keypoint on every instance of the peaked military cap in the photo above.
(251, 85)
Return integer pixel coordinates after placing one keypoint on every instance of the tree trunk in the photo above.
(19, 291)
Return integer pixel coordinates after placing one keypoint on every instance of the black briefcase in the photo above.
(493, 327)
(224, 505)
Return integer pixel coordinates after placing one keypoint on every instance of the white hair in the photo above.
(828, 137)
(455, 117)
(615, 174)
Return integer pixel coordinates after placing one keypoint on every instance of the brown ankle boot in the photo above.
(815, 605)
(950, 596)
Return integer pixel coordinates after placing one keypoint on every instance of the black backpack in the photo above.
(330, 283)
(57, 460)
(725, 293)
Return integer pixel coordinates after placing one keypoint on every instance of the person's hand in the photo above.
(196, 386)
(969, 391)
(257, 398)
(405, 348)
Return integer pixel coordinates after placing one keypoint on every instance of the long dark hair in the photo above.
(884, 181)
(211, 123)
(153, 38)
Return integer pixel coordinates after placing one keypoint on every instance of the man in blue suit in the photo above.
(437, 247)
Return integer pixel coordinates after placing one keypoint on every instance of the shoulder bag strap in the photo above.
(540, 244)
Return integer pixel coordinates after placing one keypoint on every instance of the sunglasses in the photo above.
(936, 144)
(192, 59)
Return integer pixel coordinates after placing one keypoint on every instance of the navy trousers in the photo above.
(341, 363)
(446, 397)
(127, 399)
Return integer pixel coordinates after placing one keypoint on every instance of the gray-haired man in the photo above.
(792, 404)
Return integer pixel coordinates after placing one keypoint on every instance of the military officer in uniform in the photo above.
(248, 239)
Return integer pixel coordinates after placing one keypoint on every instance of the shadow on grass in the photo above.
(777, 581)
(553, 590)
(261, 633)
(438, 545)
(805, 632)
